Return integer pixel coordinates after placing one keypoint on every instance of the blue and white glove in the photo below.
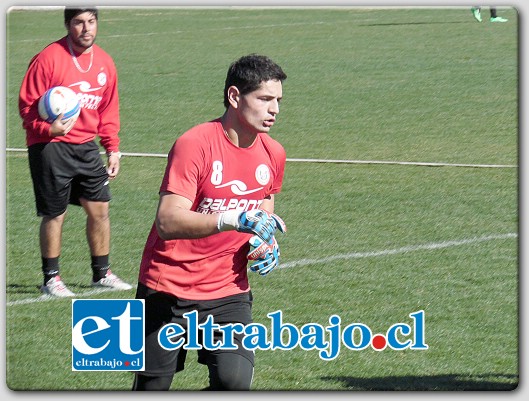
(254, 221)
(264, 257)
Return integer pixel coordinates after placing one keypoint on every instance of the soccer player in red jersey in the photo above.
(217, 194)
(66, 167)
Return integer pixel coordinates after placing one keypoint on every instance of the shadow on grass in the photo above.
(23, 289)
(489, 382)
(417, 23)
(34, 289)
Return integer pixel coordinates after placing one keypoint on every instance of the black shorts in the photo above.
(162, 308)
(63, 172)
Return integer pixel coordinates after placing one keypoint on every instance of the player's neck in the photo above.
(236, 133)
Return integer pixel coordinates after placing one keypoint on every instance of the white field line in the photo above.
(179, 32)
(235, 6)
(304, 262)
(396, 251)
(394, 162)
(427, 164)
(225, 28)
(44, 298)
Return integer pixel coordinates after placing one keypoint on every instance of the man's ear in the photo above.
(234, 96)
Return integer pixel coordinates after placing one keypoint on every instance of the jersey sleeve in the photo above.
(184, 166)
(32, 88)
(278, 159)
(109, 117)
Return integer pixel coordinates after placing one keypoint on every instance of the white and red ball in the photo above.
(57, 100)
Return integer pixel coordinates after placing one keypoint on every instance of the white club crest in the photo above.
(102, 78)
(262, 174)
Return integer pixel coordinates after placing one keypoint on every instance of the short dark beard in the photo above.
(78, 45)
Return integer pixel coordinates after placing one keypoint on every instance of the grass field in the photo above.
(370, 242)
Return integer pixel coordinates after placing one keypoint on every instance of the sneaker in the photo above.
(498, 19)
(111, 281)
(476, 12)
(56, 288)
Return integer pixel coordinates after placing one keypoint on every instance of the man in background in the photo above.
(65, 164)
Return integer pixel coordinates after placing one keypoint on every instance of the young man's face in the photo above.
(82, 30)
(257, 110)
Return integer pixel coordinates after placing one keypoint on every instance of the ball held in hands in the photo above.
(59, 100)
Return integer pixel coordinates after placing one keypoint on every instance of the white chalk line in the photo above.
(328, 259)
(334, 161)
(180, 32)
(396, 251)
(217, 29)
(45, 298)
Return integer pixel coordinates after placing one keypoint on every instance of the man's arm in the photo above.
(176, 220)
(268, 204)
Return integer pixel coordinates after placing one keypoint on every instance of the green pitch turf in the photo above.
(370, 242)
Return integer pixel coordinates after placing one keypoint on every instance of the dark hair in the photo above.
(249, 71)
(70, 12)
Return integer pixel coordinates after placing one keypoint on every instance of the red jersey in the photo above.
(207, 168)
(96, 88)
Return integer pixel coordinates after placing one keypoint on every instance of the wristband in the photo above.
(228, 220)
(118, 154)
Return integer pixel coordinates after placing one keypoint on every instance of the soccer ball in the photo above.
(57, 100)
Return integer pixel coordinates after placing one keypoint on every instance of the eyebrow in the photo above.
(80, 20)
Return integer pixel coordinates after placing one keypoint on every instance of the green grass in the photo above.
(418, 85)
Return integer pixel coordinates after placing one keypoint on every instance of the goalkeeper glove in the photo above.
(264, 256)
(254, 221)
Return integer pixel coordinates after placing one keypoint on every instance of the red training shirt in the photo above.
(207, 168)
(97, 90)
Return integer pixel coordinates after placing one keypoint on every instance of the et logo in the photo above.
(108, 334)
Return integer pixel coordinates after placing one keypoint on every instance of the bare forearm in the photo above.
(176, 220)
(185, 224)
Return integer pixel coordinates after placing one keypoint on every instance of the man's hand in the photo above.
(255, 221)
(265, 257)
(113, 165)
(61, 127)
